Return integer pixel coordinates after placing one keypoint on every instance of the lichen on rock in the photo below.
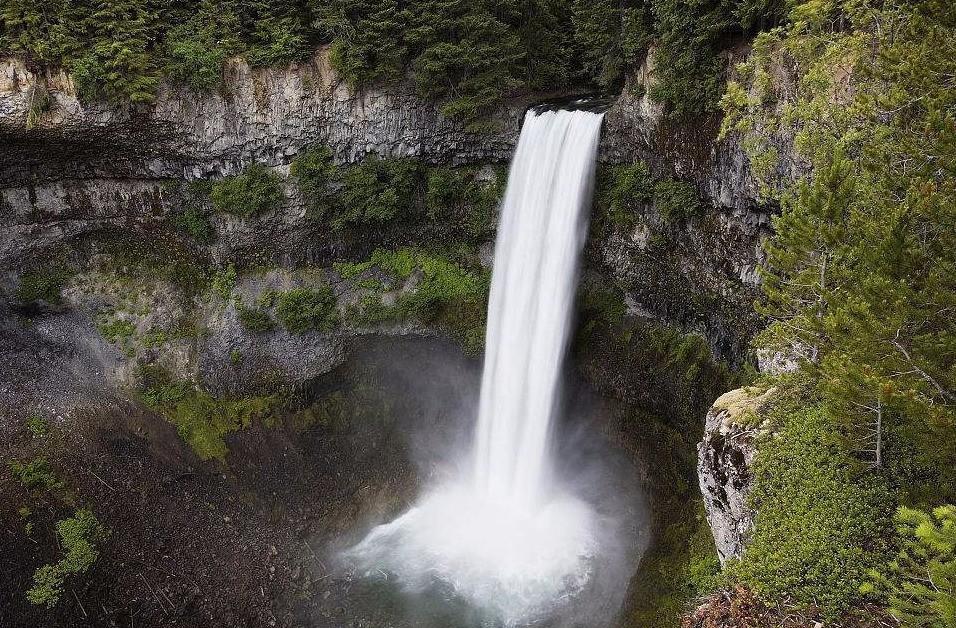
(724, 458)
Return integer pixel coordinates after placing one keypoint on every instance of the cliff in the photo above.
(73, 168)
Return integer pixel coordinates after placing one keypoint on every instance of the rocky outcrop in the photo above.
(724, 460)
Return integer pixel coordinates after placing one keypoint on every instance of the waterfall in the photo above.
(504, 537)
(542, 228)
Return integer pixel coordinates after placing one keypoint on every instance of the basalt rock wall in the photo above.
(70, 168)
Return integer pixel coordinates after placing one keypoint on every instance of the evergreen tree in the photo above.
(920, 583)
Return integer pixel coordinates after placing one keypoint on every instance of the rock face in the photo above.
(258, 115)
(70, 168)
(724, 460)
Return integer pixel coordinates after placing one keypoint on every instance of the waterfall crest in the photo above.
(503, 537)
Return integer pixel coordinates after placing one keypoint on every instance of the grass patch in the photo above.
(115, 330)
(38, 426)
(193, 222)
(35, 474)
(78, 537)
(254, 319)
(447, 294)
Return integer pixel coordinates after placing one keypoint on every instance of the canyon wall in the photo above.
(72, 168)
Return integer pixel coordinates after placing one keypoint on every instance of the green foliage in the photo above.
(459, 197)
(820, 527)
(316, 176)
(163, 257)
(307, 309)
(35, 474)
(920, 582)
(194, 222)
(676, 200)
(681, 566)
(118, 50)
(624, 193)
(194, 53)
(202, 420)
(115, 330)
(43, 284)
(689, 38)
(446, 293)
(78, 536)
(255, 319)
(860, 275)
(223, 282)
(687, 354)
(276, 40)
(39, 427)
(471, 54)
(612, 37)
(468, 55)
(256, 191)
(116, 63)
(375, 195)
(377, 191)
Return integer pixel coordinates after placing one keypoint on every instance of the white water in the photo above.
(508, 539)
(543, 224)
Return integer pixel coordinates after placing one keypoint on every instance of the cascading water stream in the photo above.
(543, 224)
(506, 537)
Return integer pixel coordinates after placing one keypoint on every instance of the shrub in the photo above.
(255, 319)
(820, 527)
(193, 222)
(35, 474)
(78, 535)
(306, 309)
(38, 426)
(676, 200)
(44, 284)
(377, 191)
(457, 200)
(223, 282)
(256, 191)
(920, 583)
(316, 176)
(623, 191)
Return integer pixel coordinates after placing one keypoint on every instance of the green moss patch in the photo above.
(201, 419)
